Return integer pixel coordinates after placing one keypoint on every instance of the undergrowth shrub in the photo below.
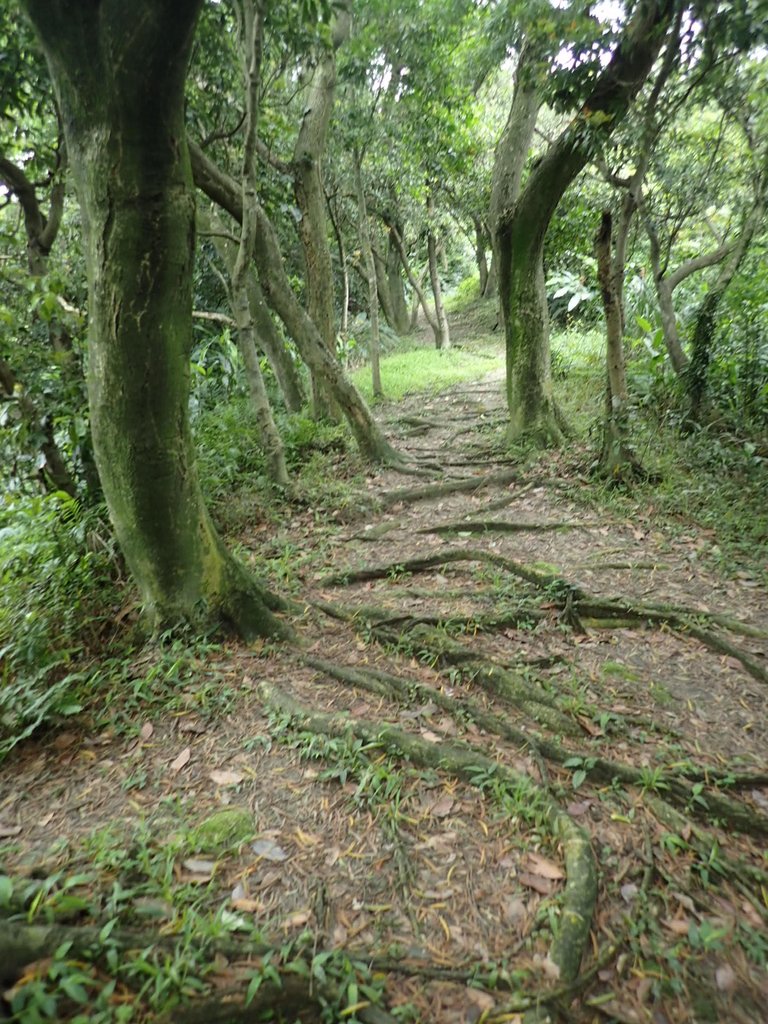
(58, 583)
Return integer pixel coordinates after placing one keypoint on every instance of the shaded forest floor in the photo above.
(514, 767)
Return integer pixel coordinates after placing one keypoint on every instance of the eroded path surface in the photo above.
(517, 757)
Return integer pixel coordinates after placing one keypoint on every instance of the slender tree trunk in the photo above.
(669, 331)
(310, 199)
(521, 229)
(481, 244)
(384, 295)
(251, 33)
(442, 336)
(344, 269)
(121, 94)
(617, 461)
(401, 321)
(223, 190)
(370, 266)
(418, 290)
(268, 338)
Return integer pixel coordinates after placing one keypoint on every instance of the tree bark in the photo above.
(521, 229)
(416, 284)
(223, 190)
(251, 33)
(119, 75)
(616, 460)
(310, 199)
(442, 335)
(267, 339)
(401, 321)
(704, 325)
(370, 267)
(481, 244)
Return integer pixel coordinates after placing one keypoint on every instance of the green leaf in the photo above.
(578, 778)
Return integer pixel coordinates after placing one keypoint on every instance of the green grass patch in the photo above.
(427, 371)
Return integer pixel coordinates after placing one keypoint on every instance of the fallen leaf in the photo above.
(181, 760)
(578, 807)
(247, 905)
(268, 850)
(677, 925)
(430, 737)
(536, 882)
(9, 831)
(725, 976)
(442, 808)
(191, 725)
(482, 1000)
(199, 867)
(46, 820)
(628, 892)
(146, 731)
(296, 920)
(225, 778)
(541, 866)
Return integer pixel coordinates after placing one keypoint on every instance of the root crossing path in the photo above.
(514, 767)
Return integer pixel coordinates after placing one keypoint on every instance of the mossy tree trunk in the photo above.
(310, 199)
(251, 35)
(520, 228)
(119, 73)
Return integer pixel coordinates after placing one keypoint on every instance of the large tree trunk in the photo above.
(119, 74)
(521, 229)
(310, 199)
(223, 190)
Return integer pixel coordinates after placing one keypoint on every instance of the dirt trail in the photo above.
(439, 868)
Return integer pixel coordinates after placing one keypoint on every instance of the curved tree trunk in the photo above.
(223, 190)
(521, 228)
(119, 74)
(252, 29)
(310, 199)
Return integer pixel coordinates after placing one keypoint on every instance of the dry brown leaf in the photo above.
(482, 1000)
(248, 906)
(9, 831)
(297, 919)
(677, 925)
(536, 882)
(541, 866)
(146, 731)
(442, 808)
(430, 737)
(181, 760)
(225, 778)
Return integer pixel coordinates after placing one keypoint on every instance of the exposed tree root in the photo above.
(410, 495)
(570, 942)
(22, 944)
(498, 526)
(668, 786)
(686, 621)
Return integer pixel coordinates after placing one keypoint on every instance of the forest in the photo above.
(384, 511)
